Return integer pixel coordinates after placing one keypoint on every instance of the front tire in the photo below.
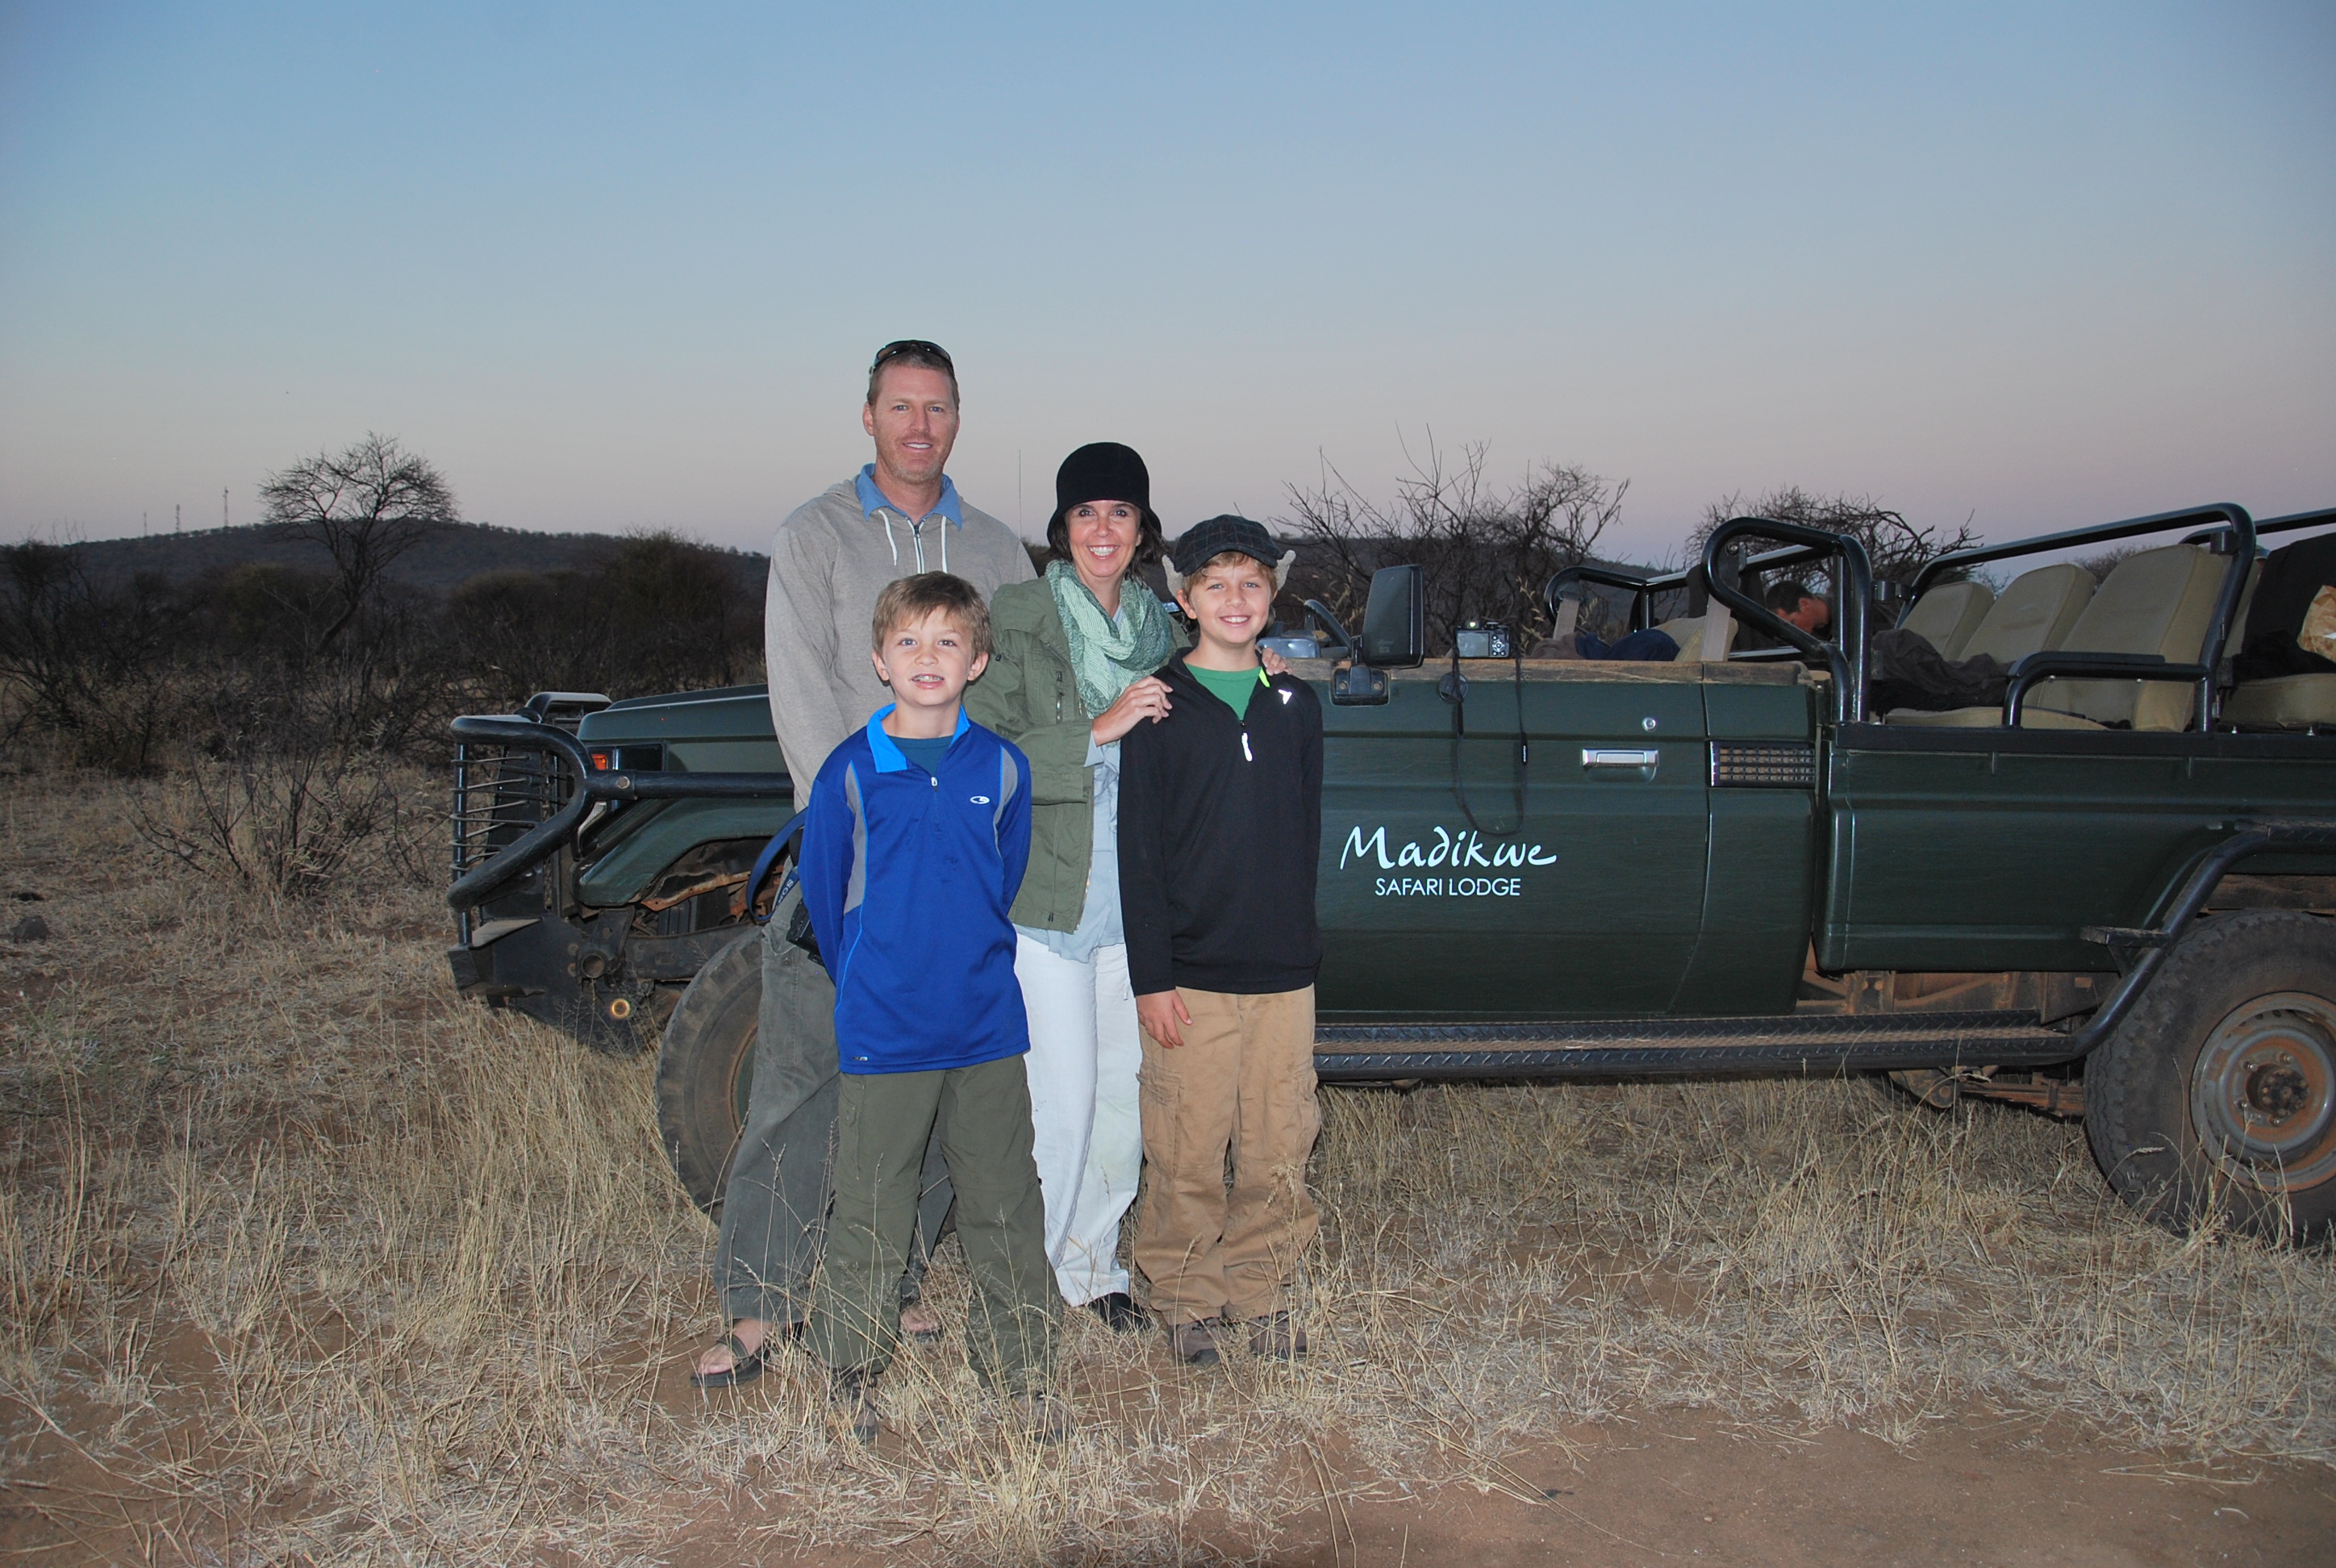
(2217, 1094)
(705, 1067)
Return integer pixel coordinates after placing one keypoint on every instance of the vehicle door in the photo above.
(1996, 849)
(1458, 883)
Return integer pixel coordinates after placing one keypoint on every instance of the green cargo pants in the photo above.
(981, 1118)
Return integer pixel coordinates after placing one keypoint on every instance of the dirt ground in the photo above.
(1672, 1486)
(303, 1259)
(1644, 1487)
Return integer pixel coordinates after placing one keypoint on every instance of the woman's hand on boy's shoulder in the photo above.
(1146, 699)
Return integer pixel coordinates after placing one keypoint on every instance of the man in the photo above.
(899, 516)
(1791, 600)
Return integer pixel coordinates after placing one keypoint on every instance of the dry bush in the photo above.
(304, 1259)
(1896, 548)
(1488, 551)
(282, 819)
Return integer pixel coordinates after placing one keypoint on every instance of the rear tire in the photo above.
(2217, 1094)
(705, 1066)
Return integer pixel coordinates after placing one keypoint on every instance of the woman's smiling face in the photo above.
(1103, 535)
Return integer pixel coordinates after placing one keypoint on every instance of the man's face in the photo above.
(1811, 615)
(928, 662)
(914, 422)
(1229, 604)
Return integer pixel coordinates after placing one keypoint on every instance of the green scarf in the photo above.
(1107, 659)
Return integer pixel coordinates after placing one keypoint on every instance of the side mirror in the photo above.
(1395, 620)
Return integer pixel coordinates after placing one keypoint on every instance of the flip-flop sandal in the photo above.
(745, 1367)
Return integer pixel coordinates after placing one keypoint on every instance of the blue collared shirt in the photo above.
(872, 499)
(890, 757)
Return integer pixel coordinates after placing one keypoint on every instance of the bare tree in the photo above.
(1488, 551)
(1897, 548)
(366, 506)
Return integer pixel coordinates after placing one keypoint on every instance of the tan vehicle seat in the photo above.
(1948, 615)
(2036, 613)
(2281, 701)
(2285, 702)
(2156, 602)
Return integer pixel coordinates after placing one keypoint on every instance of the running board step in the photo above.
(1670, 1048)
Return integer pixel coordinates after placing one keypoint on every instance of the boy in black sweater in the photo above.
(1219, 818)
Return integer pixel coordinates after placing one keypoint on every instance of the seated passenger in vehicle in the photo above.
(1793, 603)
(1652, 646)
(2296, 581)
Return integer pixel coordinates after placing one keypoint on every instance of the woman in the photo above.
(1070, 672)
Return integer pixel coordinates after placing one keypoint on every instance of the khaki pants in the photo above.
(1242, 1084)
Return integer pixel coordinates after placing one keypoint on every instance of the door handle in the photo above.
(1601, 757)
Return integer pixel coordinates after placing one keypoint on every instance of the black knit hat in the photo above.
(1205, 540)
(1104, 471)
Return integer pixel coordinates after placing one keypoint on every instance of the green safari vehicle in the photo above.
(2114, 896)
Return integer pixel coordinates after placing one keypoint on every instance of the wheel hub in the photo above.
(2263, 1092)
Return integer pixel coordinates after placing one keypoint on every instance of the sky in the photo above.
(607, 267)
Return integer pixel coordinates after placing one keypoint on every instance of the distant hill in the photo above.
(452, 555)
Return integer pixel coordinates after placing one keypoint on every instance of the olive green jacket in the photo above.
(1030, 695)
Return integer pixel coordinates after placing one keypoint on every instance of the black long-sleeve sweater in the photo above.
(1219, 824)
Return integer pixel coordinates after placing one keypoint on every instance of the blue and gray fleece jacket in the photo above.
(907, 876)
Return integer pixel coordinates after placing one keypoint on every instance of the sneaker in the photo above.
(1277, 1338)
(1045, 1419)
(1120, 1313)
(848, 1395)
(1194, 1344)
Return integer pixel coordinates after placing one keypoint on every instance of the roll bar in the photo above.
(2219, 514)
(1644, 586)
(1846, 657)
(1639, 583)
(2292, 523)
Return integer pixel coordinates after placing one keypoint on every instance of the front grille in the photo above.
(500, 793)
(1777, 764)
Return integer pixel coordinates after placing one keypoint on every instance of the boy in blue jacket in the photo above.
(914, 845)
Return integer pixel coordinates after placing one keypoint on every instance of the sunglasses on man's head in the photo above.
(908, 345)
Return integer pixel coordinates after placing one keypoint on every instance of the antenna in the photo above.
(223, 517)
(1017, 490)
(178, 518)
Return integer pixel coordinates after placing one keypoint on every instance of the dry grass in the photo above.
(302, 1260)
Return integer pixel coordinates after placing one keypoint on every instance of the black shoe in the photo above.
(1045, 1419)
(1120, 1313)
(848, 1395)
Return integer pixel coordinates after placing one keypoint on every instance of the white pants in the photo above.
(1085, 1053)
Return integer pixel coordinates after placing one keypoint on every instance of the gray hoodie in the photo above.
(829, 562)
